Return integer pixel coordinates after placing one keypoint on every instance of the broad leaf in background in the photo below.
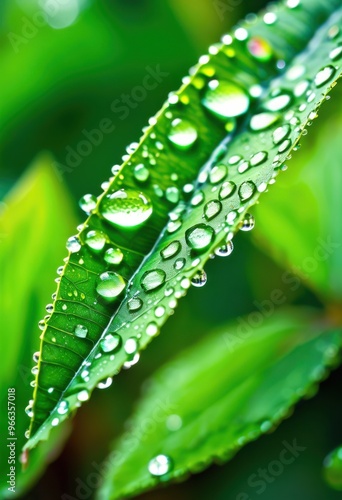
(219, 395)
(310, 239)
(33, 231)
(241, 88)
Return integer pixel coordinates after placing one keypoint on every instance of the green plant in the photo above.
(246, 105)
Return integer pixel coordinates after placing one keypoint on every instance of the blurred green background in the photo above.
(63, 75)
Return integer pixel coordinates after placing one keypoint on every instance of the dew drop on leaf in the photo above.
(172, 194)
(152, 329)
(171, 250)
(134, 304)
(110, 285)
(63, 407)
(88, 203)
(131, 346)
(336, 53)
(141, 173)
(246, 190)
(111, 342)
(151, 280)
(197, 199)
(81, 331)
(200, 236)
(262, 121)
(248, 223)
(105, 383)
(160, 465)
(126, 208)
(212, 208)
(218, 173)
(95, 240)
(113, 256)
(324, 75)
(182, 134)
(281, 133)
(278, 103)
(199, 279)
(225, 250)
(227, 190)
(225, 100)
(179, 264)
(258, 158)
(73, 244)
(83, 395)
(260, 49)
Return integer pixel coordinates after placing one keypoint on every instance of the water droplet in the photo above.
(248, 223)
(246, 190)
(160, 465)
(151, 280)
(83, 395)
(159, 311)
(262, 121)
(88, 203)
(218, 173)
(134, 304)
(81, 331)
(172, 194)
(73, 244)
(111, 285)
(41, 324)
(199, 279)
(227, 190)
(111, 342)
(63, 407)
(336, 53)
(278, 103)
(260, 49)
(171, 250)
(333, 469)
(131, 346)
(212, 208)
(200, 237)
(55, 422)
(174, 422)
(258, 158)
(36, 356)
(113, 256)
(126, 208)
(285, 145)
(225, 250)
(225, 100)
(182, 134)
(152, 329)
(197, 199)
(324, 75)
(281, 133)
(141, 173)
(95, 240)
(105, 383)
(179, 264)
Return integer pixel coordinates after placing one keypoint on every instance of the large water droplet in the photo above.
(126, 208)
(199, 237)
(113, 256)
(199, 279)
(182, 134)
(225, 250)
(152, 280)
(225, 99)
(95, 240)
(88, 203)
(111, 285)
(160, 465)
(324, 75)
(73, 244)
(212, 208)
(171, 250)
(81, 331)
(111, 342)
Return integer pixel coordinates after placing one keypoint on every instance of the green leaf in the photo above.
(332, 470)
(92, 333)
(217, 396)
(32, 236)
(309, 242)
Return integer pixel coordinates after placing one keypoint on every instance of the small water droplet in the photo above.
(63, 407)
(159, 311)
(200, 237)
(141, 173)
(278, 102)
(110, 285)
(336, 53)
(160, 465)
(262, 121)
(172, 194)
(95, 240)
(258, 158)
(83, 395)
(179, 264)
(131, 346)
(113, 256)
(134, 304)
(152, 329)
(126, 208)
(105, 383)
(248, 223)
(174, 422)
(218, 173)
(225, 99)
(281, 133)
(211, 209)
(246, 190)
(324, 75)
(182, 134)
(227, 190)
(81, 331)
(152, 280)
(55, 422)
(197, 199)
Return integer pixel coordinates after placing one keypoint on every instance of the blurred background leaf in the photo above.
(33, 229)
